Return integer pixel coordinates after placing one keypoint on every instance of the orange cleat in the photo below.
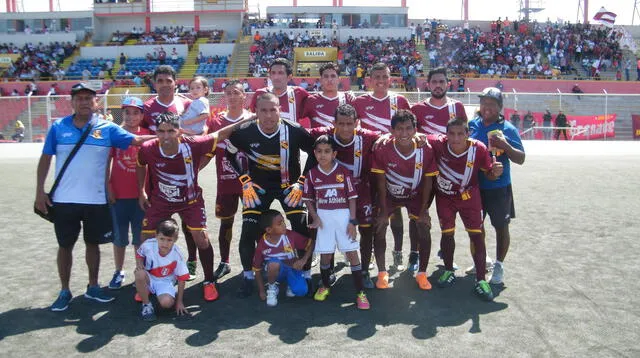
(210, 291)
(423, 281)
(383, 280)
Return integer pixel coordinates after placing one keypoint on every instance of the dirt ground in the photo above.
(571, 286)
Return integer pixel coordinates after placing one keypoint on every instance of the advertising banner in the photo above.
(581, 127)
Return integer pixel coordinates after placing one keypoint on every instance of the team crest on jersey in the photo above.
(284, 144)
(469, 164)
(145, 222)
(165, 271)
(452, 115)
(97, 134)
(291, 99)
(188, 160)
(358, 153)
(394, 107)
(418, 165)
(287, 248)
(340, 178)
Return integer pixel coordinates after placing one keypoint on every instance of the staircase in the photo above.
(190, 67)
(239, 67)
(426, 65)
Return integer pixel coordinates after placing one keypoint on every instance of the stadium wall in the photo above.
(343, 33)
(20, 39)
(130, 51)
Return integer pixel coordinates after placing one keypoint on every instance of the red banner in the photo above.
(635, 120)
(582, 127)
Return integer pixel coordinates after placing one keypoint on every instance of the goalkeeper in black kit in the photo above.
(273, 146)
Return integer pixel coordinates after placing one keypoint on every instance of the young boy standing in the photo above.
(123, 193)
(276, 253)
(330, 197)
(159, 264)
(459, 160)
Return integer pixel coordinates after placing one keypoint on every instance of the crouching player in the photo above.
(159, 264)
(459, 160)
(400, 167)
(330, 197)
(276, 253)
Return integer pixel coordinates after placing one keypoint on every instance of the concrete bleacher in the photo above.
(213, 69)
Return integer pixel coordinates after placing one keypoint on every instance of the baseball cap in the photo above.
(492, 92)
(133, 102)
(81, 87)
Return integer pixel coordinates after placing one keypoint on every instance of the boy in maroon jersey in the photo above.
(320, 108)
(330, 197)
(291, 98)
(400, 167)
(375, 111)
(229, 188)
(353, 146)
(277, 254)
(459, 160)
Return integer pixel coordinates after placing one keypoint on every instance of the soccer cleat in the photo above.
(137, 297)
(210, 291)
(483, 290)
(413, 261)
(498, 274)
(397, 261)
(272, 295)
(362, 302)
(97, 294)
(192, 266)
(290, 293)
(315, 259)
(372, 263)
(472, 269)
(366, 280)
(447, 279)
(423, 281)
(222, 270)
(117, 280)
(148, 313)
(246, 288)
(321, 294)
(383, 281)
(62, 302)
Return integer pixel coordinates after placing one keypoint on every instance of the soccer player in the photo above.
(354, 146)
(277, 254)
(229, 188)
(459, 160)
(320, 108)
(375, 111)
(434, 113)
(273, 146)
(173, 161)
(123, 190)
(291, 98)
(503, 140)
(403, 170)
(330, 198)
(159, 265)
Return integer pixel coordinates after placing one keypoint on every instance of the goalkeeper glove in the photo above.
(250, 191)
(294, 193)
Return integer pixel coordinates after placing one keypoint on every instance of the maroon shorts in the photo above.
(226, 205)
(364, 207)
(470, 212)
(193, 215)
(413, 205)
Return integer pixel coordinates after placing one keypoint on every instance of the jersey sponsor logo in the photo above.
(226, 165)
(331, 193)
(392, 165)
(97, 134)
(161, 165)
(66, 134)
(395, 190)
(170, 191)
(444, 184)
(319, 105)
(254, 145)
(340, 178)
(368, 108)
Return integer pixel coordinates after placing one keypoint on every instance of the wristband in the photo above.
(353, 221)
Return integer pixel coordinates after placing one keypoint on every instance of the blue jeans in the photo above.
(291, 276)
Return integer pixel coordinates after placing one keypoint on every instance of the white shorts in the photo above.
(334, 232)
(161, 286)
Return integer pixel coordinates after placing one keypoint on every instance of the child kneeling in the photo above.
(276, 253)
(159, 264)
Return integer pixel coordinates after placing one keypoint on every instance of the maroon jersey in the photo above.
(284, 250)
(458, 173)
(321, 109)
(330, 190)
(291, 102)
(433, 120)
(153, 108)
(174, 179)
(227, 174)
(404, 173)
(375, 114)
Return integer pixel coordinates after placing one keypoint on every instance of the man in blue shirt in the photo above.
(81, 197)
(503, 140)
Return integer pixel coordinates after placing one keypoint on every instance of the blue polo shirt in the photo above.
(480, 132)
(84, 181)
